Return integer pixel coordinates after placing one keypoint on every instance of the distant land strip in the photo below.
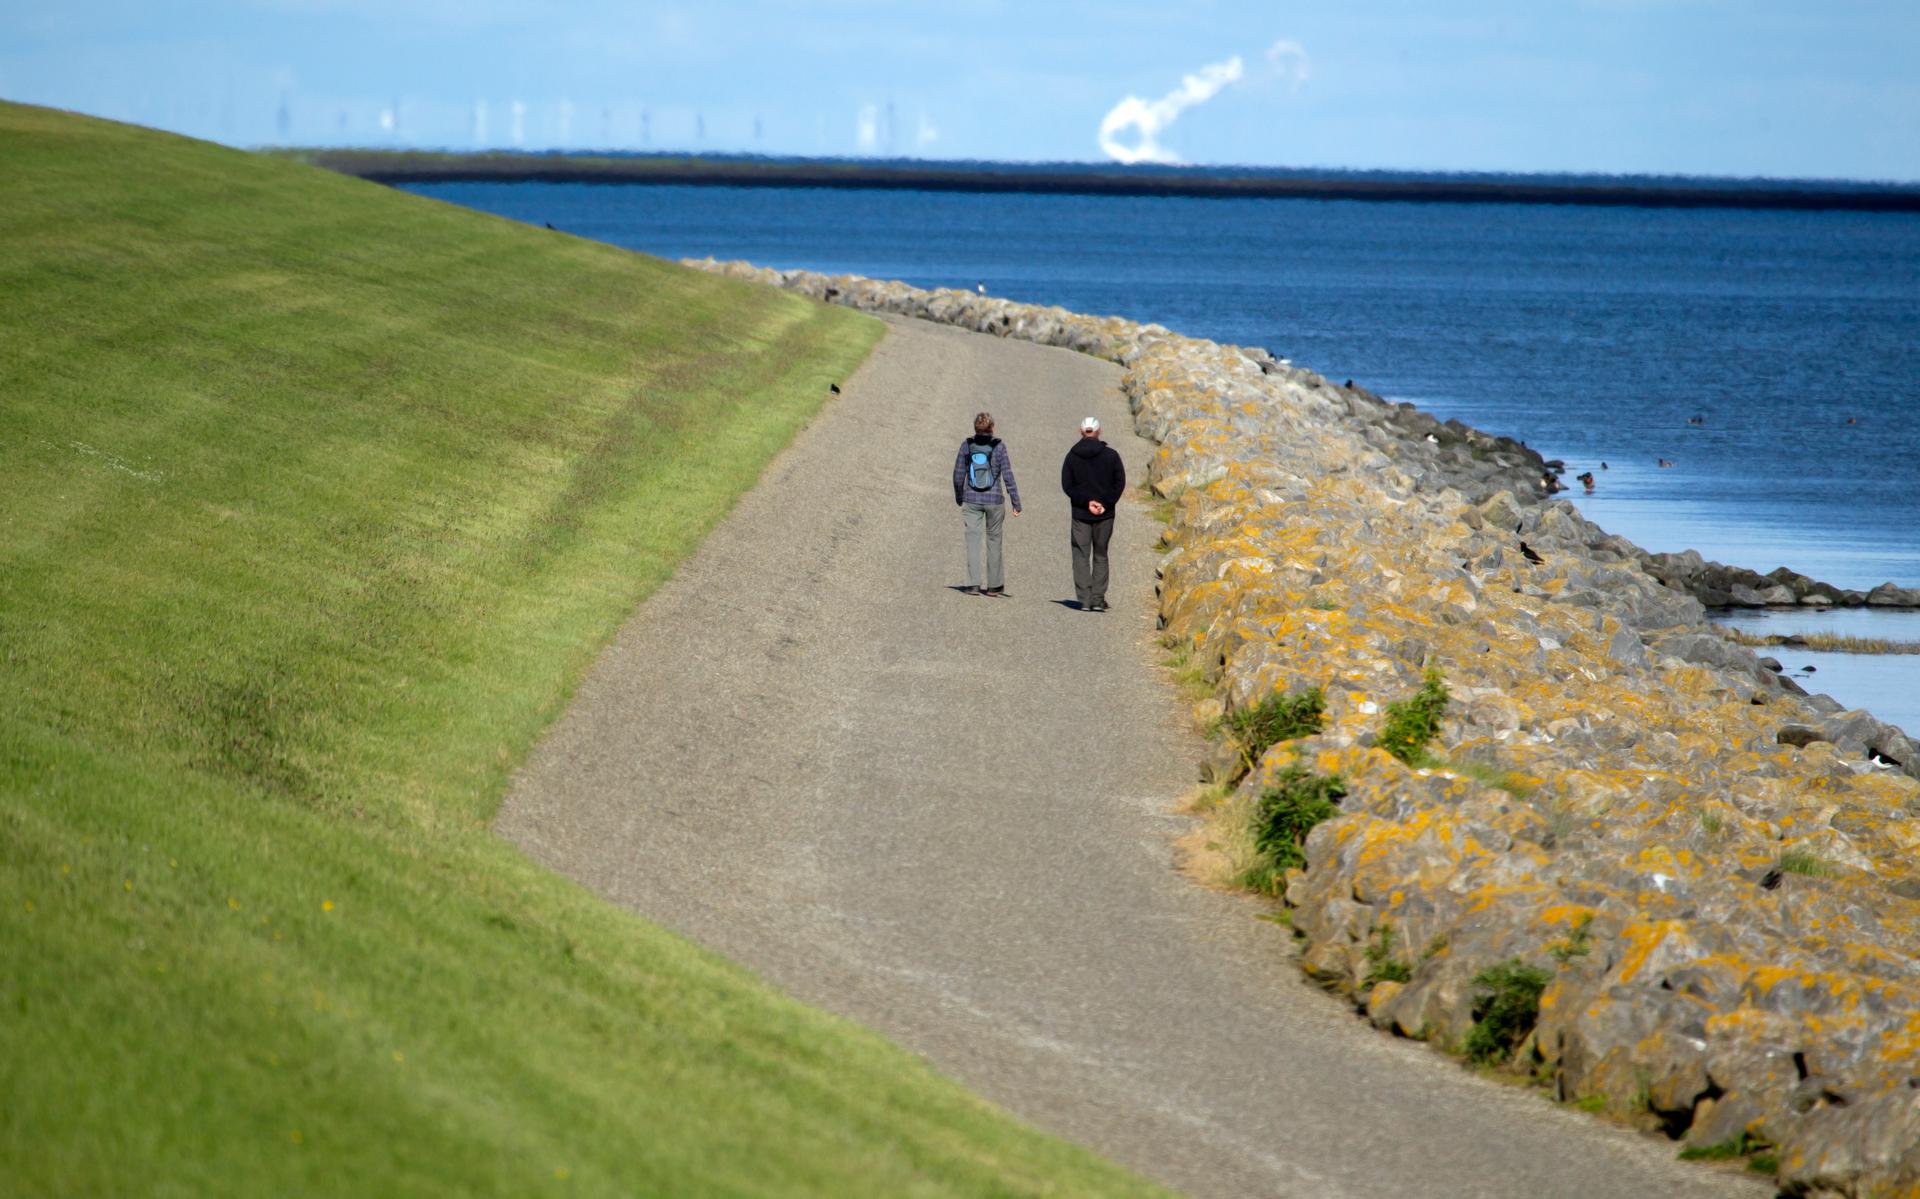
(395, 167)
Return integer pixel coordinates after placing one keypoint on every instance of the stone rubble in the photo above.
(1716, 870)
(1720, 586)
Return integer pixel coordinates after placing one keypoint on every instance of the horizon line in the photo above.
(1087, 165)
(1196, 182)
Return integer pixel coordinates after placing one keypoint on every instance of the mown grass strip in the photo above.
(315, 501)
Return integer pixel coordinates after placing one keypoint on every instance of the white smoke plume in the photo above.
(1151, 119)
(1286, 59)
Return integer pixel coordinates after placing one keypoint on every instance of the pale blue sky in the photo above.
(1725, 87)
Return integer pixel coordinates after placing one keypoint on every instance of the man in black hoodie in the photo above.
(1094, 478)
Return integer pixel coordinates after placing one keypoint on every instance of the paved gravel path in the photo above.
(947, 817)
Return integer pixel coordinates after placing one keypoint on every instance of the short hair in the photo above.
(983, 422)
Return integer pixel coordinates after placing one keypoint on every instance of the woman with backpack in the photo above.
(980, 471)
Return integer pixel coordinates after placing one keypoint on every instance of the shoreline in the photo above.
(400, 166)
(1622, 799)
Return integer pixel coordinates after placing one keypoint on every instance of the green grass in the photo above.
(1806, 862)
(1157, 508)
(1297, 801)
(1739, 1146)
(1412, 723)
(1488, 774)
(316, 500)
(1579, 942)
(1279, 717)
(1506, 1004)
(1382, 965)
(1188, 675)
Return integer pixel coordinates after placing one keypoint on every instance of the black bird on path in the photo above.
(834, 388)
(1527, 552)
(550, 224)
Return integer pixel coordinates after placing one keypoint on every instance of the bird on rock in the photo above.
(1527, 552)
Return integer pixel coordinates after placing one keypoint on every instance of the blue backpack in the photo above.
(981, 473)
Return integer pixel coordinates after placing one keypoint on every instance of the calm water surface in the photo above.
(1772, 357)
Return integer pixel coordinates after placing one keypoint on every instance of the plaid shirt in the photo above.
(963, 492)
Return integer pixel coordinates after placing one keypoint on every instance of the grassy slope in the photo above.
(315, 499)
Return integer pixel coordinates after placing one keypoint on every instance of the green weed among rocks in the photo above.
(1506, 1003)
(1414, 722)
(1279, 717)
(1490, 775)
(1285, 813)
(1190, 676)
(1806, 862)
(1579, 942)
(1382, 965)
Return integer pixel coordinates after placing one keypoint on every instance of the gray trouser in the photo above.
(1090, 539)
(983, 522)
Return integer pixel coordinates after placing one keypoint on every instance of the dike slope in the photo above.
(947, 818)
(1723, 866)
(315, 501)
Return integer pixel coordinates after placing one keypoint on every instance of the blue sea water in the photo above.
(1772, 357)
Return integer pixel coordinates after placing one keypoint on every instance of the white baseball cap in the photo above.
(1090, 425)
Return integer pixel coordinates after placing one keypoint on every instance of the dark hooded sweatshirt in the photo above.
(1093, 471)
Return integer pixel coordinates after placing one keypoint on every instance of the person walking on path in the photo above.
(980, 472)
(1094, 478)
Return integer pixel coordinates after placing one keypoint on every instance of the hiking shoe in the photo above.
(1098, 606)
